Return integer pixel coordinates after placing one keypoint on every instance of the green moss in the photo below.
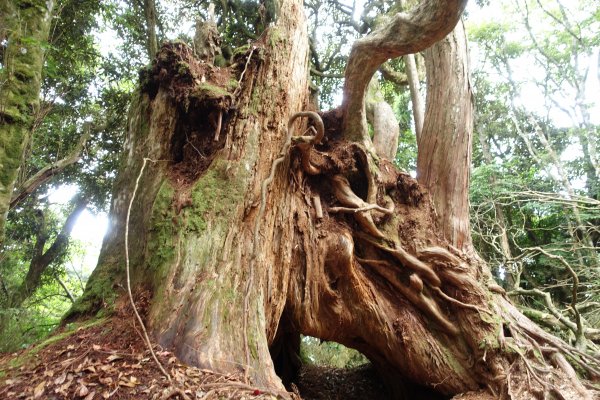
(27, 356)
(163, 231)
(220, 61)
(208, 91)
(214, 193)
(276, 36)
(241, 50)
(99, 295)
(183, 68)
(232, 85)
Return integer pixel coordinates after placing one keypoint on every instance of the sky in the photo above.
(90, 228)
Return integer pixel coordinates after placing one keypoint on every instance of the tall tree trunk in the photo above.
(412, 75)
(248, 233)
(444, 156)
(24, 25)
(151, 22)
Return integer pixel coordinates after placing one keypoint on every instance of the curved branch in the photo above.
(44, 174)
(403, 34)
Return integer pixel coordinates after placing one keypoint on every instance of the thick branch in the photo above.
(44, 175)
(404, 34)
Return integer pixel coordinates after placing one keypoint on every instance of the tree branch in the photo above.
(44, 175)
(40, 262)
(397, 78)
(404, 34)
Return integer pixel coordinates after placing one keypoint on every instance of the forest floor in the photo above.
(107, 359)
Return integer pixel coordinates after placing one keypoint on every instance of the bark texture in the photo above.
(405, 33)
(24, 25)
(444, 157)
(192, 226)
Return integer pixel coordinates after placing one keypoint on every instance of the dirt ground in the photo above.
(107, 359)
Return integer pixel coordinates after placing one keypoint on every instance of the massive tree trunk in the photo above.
(24, 27)
(248, 231)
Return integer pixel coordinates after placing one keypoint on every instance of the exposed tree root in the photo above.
(438, 280)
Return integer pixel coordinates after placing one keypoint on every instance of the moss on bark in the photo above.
(26, 24)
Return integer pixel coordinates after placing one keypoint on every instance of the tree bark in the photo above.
(414, 85)
(46, 173)
(151, 37)
(24, 25)
(250, 235)
(444, 156)
(427, 23)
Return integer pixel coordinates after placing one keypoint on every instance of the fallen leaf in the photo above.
(90, 368)
(106, 381)
(70, 347)
(39, 390)
(61, 379)
(96, 347)
(113, 357)
(82, 391)
(129, 382)
(90, 396)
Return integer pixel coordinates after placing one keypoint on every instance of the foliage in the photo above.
(331, 354)
(535, 181)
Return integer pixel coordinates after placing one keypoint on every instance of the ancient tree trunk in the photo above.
(219, 288)
(24, 25)
(444, 156)
(248, 230)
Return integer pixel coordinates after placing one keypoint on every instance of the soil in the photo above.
(107, 359)
(325, 383)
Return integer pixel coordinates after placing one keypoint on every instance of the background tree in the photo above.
(532, 220)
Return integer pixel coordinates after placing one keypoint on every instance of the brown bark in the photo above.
(444, 157)
(274, 231)
(427, 23)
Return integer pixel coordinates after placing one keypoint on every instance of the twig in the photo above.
(244, 71)
(148, 343)
(360, 209)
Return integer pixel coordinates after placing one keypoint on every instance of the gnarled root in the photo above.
(345, 195)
